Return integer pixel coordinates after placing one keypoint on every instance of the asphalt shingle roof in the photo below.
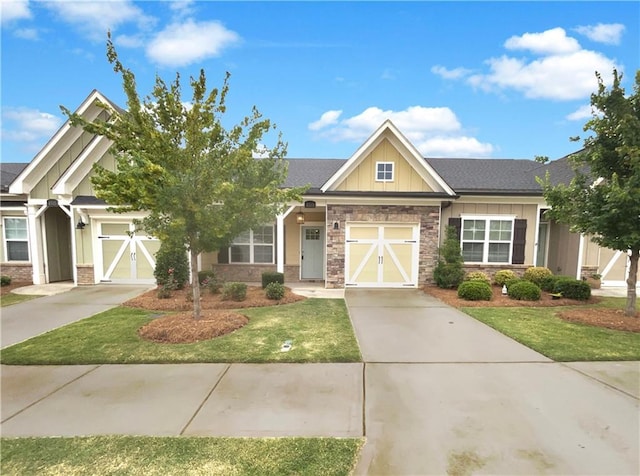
(8, 173)
(312, 172)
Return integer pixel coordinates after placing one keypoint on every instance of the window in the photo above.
(384, 171)
(253, 246)
(487, 240)
(15, 239)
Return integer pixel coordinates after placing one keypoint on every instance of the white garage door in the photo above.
(381, 255)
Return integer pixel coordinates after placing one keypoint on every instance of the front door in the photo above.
(127, 257)
(312, 252)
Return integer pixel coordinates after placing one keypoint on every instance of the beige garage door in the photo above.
(381, 255)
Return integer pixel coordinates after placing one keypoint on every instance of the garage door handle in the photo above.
(380, 259)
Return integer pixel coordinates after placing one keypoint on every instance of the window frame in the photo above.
(384, 171)
(252, 244)
(487, 241)
(5, 240)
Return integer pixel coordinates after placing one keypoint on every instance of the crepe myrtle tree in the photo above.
(603, 198)
(198, 181)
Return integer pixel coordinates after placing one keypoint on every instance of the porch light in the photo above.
(80, 225)
(300, 218)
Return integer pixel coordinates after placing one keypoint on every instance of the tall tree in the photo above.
(603, 199)
(198, 182)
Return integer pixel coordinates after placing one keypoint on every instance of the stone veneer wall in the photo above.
(491, 269)
(252, 273)
(427, 216)
(85, 274)
(18, 272)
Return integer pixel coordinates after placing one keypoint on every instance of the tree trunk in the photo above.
(195, 285)
(630, 310)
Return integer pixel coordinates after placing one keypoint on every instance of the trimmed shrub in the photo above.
(536, 274)
(5, 280)
(524, 291)
(475, 291)
(275, 291)
(234, 292)
(548, 283)
(573, 289)
(504, 275)
(205, 275)
(271, 277)
(448, 272)
(171, 261)
(477, 276)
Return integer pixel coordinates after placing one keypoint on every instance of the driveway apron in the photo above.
(445, 394)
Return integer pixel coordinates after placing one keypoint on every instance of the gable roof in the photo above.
(8, 173)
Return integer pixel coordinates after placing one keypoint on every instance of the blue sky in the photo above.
(460, 79)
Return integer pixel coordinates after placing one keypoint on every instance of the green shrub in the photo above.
(5, 280)
(271, 277)
(234, 292)
(504, 275)
(275, 291)
(475, 291)
(548, 283)
(511, 282)
(448, 272)
(536, 274)
(205, 275)
(171, 261)
(573, 289)
(477, 276)
(524, 291)
(210, 281)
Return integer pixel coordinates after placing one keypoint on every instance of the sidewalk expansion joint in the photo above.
(600, 381)
(51, 393)
(364, 399)
(205, 400)
(434, 362)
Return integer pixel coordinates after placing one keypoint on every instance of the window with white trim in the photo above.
(384, 171)
(487, 239)
(253, 246)
(16, 243)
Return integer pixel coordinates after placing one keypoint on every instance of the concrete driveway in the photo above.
(445, 394)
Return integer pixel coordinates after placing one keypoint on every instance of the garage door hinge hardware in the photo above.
(352, 241)
(101, 237)
(410, 241)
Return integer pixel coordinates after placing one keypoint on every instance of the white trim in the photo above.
(4, 239)
(35, 247)
(280, 238)
(580, 257)
(81, 166)
(485, 248)
(384, 171)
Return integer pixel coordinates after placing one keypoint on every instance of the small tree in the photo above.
(603, 199)
(449, 272)
(197, 180)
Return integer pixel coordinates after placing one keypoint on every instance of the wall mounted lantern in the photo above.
(80, 225)
(300, 218)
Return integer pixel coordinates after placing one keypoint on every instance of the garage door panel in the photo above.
(398, 259)
(398, 233)
(115, 253)
(145, 262)
(364, 261)
(363, 233)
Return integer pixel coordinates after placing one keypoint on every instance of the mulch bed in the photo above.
(607, 318)
(216, 318)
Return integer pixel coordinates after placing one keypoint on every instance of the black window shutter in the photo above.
(223, 256)
(456, 222)
(519, 241)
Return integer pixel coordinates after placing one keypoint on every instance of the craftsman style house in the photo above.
(373, 220)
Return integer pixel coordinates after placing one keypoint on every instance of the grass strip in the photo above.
(12, 298)
(150, 456)
(320, 331)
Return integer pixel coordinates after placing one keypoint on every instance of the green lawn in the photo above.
(319, 329)
(128, 455)
(11, 298)
(540, 329)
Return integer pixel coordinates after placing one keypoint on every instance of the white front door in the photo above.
(312, 252)
(125, 256)
(379, 255)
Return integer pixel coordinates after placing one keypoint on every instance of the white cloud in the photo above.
(433, 130)
(608, 33)
(445, 73)
(188, 42)
(554, 41)
(182, 8)
(583, 112)
(13, 10)
(129, 41)
(26, 33)
(28, 125)
(327, 119)
(94, 19)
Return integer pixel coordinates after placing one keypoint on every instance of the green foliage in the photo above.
(271, 277)
(211, 281)
(234, 292)
(448, 272)
(605, 191)
(475, 290)
(5, 280)
(504, 275)
(197, 180)
(172, 266)
(573, 288)
(536, 274)
(548, 283)
(205, 275)
(524, 291)
(477, 276)
(275, 291)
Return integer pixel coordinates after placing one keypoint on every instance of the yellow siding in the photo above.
(563, 250)
(590, 253)
(363, 178)
(619, 269)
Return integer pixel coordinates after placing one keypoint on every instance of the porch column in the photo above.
(35, 243)
(280, 243)
(580, 257)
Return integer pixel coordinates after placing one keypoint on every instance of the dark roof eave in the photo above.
(438, 195)
(518, 193)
